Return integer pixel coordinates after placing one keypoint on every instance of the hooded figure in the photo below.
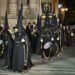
(8, 43)
(1, 43)
(6, 26)
(39, 23)
(20, 46)
(54, 20)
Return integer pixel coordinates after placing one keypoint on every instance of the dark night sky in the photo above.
(70, 14)
(68, 3)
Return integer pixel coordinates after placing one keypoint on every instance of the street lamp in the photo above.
(64, 9)
(63, 12)
(60, 5)
(59, 12)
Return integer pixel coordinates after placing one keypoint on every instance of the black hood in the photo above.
(19, 21)
(6, 26)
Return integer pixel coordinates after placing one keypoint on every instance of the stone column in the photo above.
(38, 5)
(12, 7)
(12, 12)
(33, 8)
(55, 6)
(3, 7)
(40, 11)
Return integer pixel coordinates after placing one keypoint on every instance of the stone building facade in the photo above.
(30, 11)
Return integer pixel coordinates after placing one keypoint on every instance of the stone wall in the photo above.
(29, 12)
(3, 7)
(55, 7)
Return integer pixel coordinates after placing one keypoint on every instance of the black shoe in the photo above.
(29, 65)
(25, 68)
(9, 67)
(19, 70)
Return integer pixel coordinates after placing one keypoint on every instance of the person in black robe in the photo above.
(54, 20)
(8, 42)
(28, 31)
(72, 34)
(35, 36)
(20, 45)
(1, 28)
(1, 44)
(18, 54)
(68, 36)
(8, 48)
(63, 38)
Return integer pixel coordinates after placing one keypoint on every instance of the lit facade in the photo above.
(30, 12)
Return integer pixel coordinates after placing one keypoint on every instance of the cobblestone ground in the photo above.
(62, 65)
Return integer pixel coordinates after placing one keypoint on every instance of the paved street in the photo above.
(62, 65)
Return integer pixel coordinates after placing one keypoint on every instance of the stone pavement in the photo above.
(62, 65)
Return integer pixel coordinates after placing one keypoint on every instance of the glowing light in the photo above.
(60, 5)
(64, 9)
(43, 17)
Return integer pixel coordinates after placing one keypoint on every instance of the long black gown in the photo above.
(8, 48)
(18, 54)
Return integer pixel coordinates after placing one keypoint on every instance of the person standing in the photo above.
(8, 48)
(54, 20)
(20, 46)
(35, 36)
(68, 36)
(28, 31)
(18, 53)
(8, 43)
(1, 44)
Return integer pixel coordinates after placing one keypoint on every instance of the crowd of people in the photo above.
(16, 46)
(33, 34)
(13, 47)
(68, 35)
(10, 44)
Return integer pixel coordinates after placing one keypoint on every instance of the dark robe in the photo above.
(46, 38)
(1, 43)
(28, 31)
(8, 49)
(63, 38)
(18, 54)
(35, 37)
(54, 20)
(68, 37)
(1, 47)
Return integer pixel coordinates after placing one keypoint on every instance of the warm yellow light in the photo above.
(64, 9)
(43, 21)
(43, 17)
(50, 16)
(60, 5)
(44, 1)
